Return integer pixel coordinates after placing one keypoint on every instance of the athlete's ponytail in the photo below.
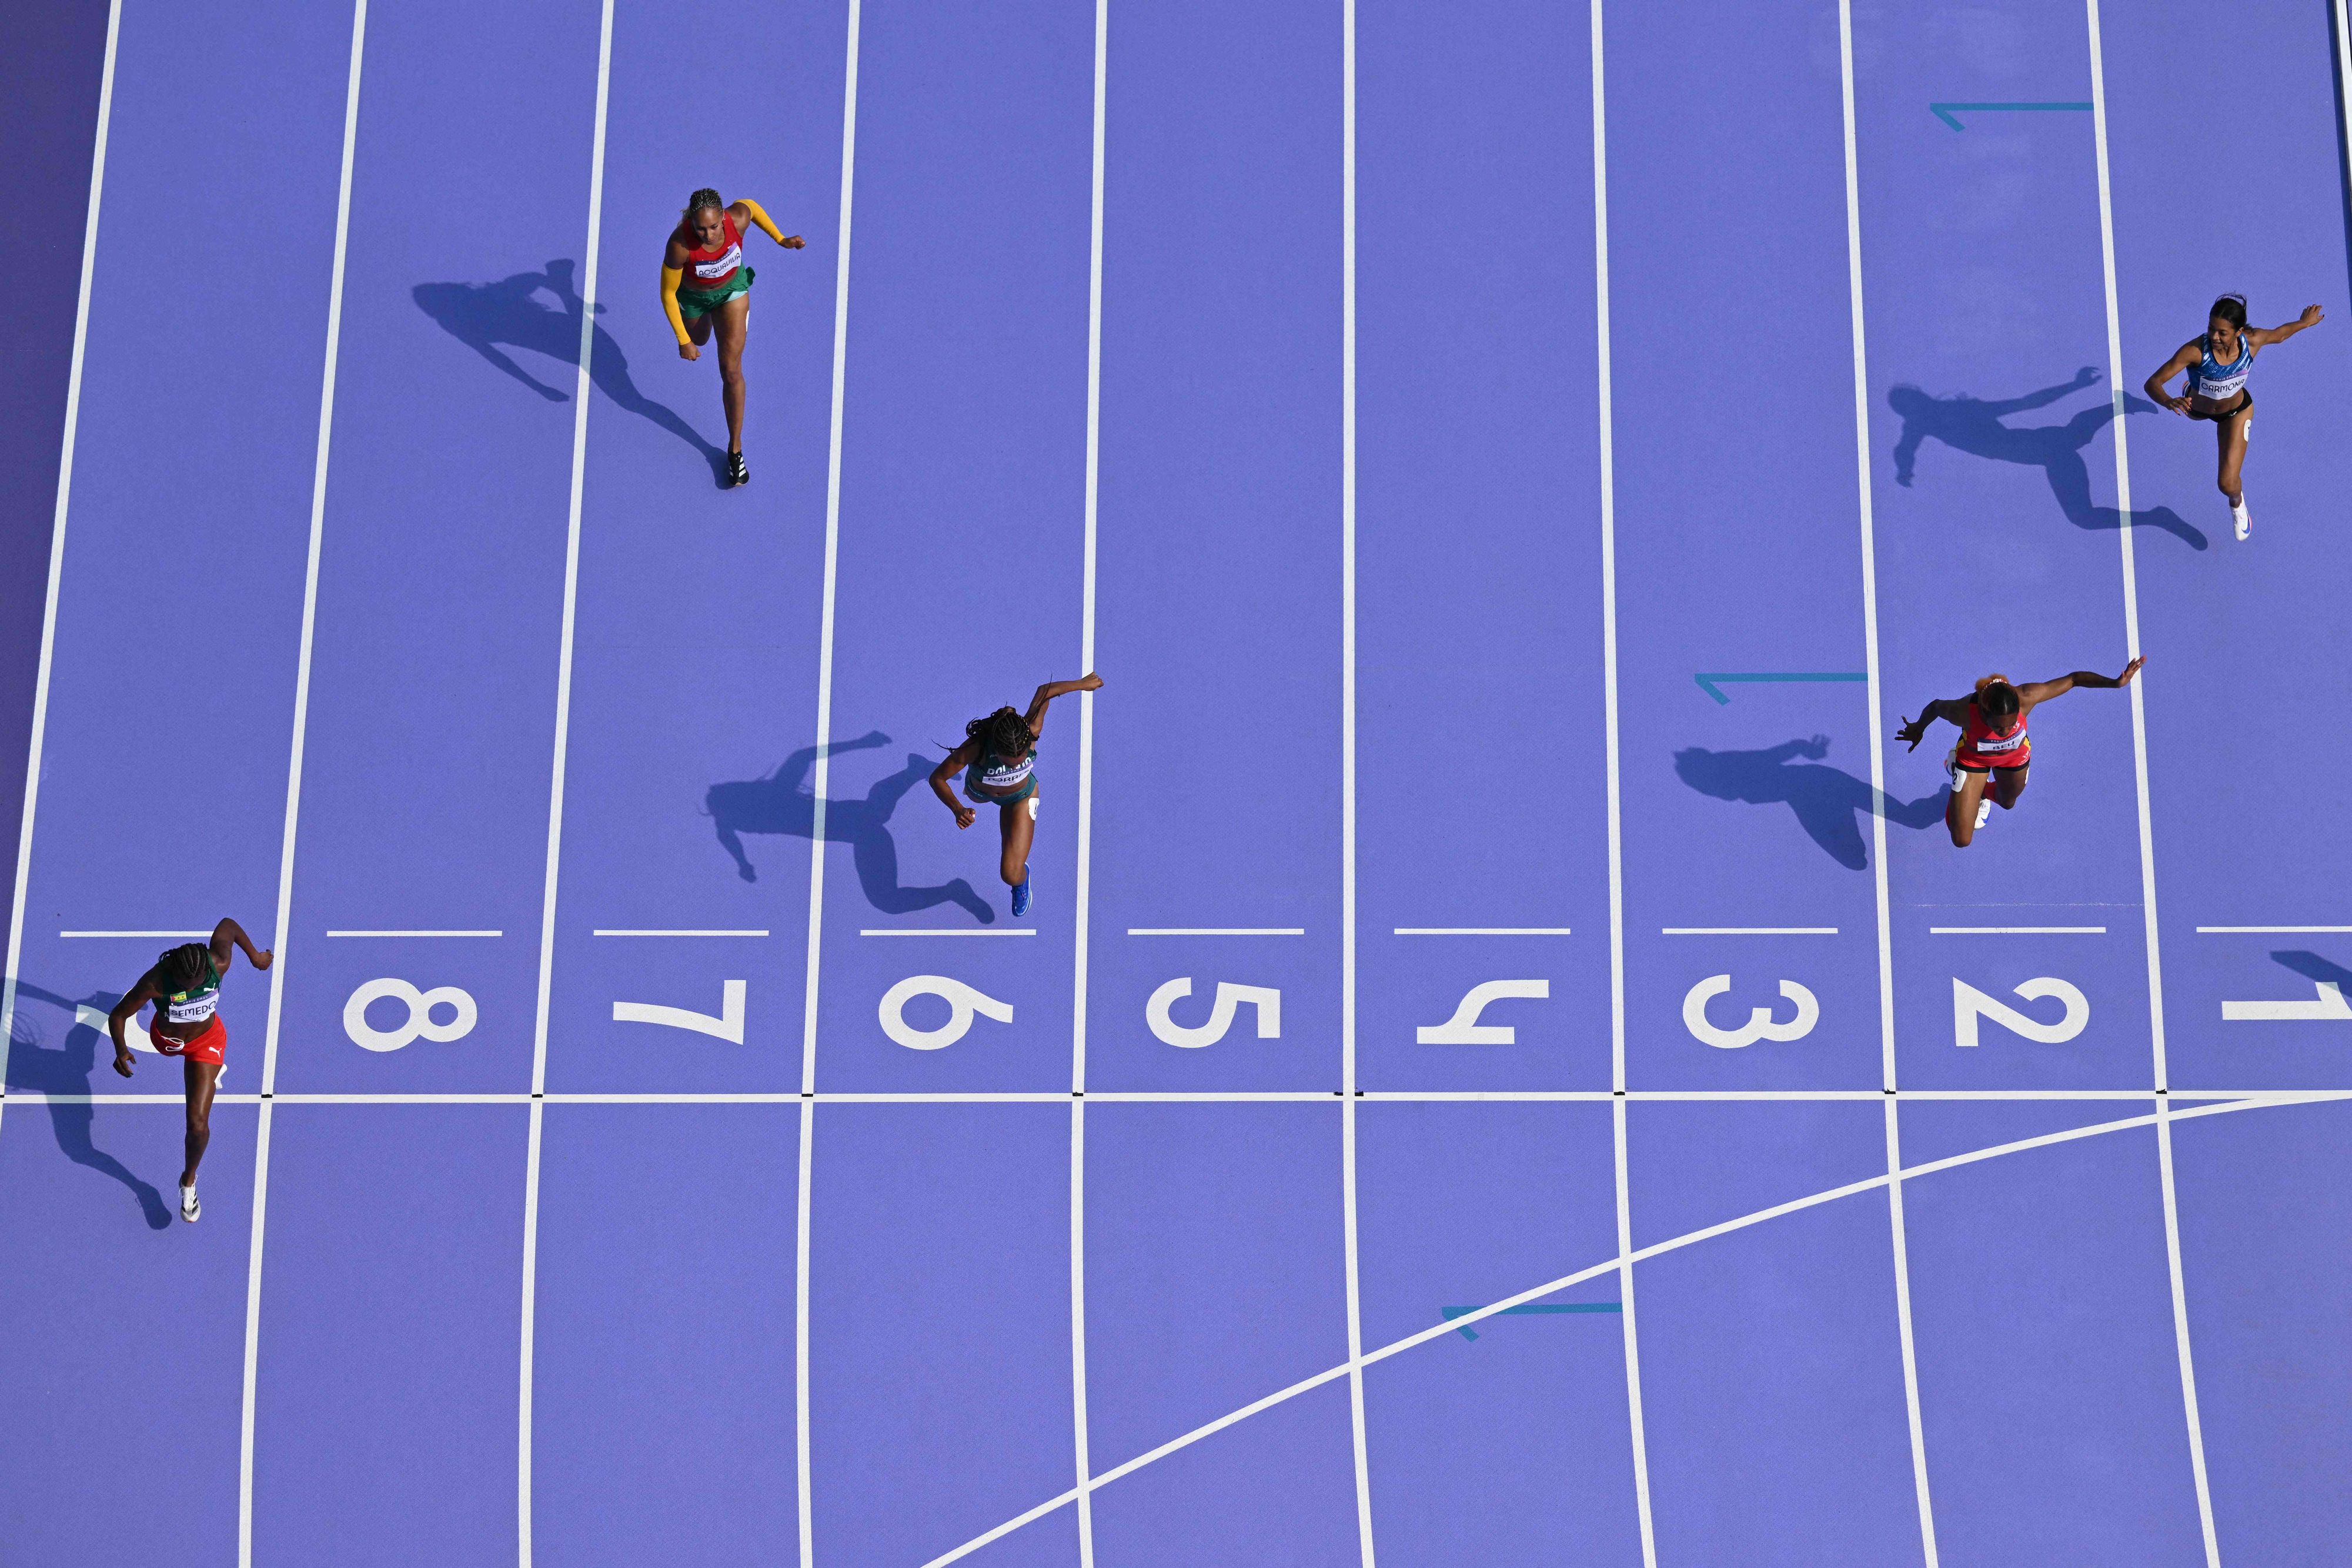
(705, 197)
(1996, 698)
(179, 968)
(2229, 307)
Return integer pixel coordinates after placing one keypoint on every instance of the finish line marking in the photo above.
(1454, 1313)
(1707, 682)
(1945, 111)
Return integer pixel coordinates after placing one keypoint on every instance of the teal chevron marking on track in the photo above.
(1547, 1308)
(1707, 681)
(1946, 111)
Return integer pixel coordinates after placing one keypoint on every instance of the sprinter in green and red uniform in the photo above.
(1988, 766)
(706, 287)
(184, 985)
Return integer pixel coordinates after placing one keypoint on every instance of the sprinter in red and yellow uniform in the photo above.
(1988, 766)
(706, 287)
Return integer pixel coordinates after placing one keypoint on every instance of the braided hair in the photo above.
(1004, 733)
(182, 968)
(1996, 697)
(705, 197)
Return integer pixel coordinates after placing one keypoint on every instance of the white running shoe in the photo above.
(1984, 812)
(2243, 519)
(189, 1207)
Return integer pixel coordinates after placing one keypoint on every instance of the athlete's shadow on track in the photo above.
(67, 1070)
(490, 317)
(1830, 804)
(783, 803)
(1974, 425)
(2312, 966)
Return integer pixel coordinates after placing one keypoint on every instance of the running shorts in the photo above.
(205, 1047)
(694, 303)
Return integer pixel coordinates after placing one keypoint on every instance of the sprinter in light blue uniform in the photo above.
(999, 762)
(2218, 365)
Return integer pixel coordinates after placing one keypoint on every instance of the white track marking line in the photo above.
(802, 1466)
(2343, 100)
(183, 936)
(582, 387)
(712, 931)
(1081, 1443)
(2140, 790)
(1216, 931)
(1748, 931)
(280, 940)
(1605, 389)
(567, 643)
(58, 540)
(943, 931)
(1897, 1235)
(1480, 931)
(2017, 931)
(1551, 1287)
(2272, 930)
(1348, 774)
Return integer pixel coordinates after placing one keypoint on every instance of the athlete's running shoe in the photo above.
(1021, 897)
(2243, 519)
(1984, 812)
(738, 471)
(189, 1207)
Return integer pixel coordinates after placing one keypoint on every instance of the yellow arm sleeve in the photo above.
(759, 217)
(671, 277)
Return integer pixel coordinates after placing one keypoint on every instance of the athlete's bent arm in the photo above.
(124, 1011)
(2033, 692)
(2189, 354)
(748, 211)
(962, 756)
(1916, 729)
(2265, 336)
(228, 938)
(1035, 717)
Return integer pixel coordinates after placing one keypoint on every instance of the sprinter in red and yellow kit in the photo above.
(706, 287)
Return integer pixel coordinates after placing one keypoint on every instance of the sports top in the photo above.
(197, 1003)
(2211, 378)
(712, 268)
(992, 774)
(1980, 742)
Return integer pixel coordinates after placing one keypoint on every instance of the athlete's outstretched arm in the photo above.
(124, 1010)
(1915, 730)
(228, 937)
(955, 761)
(2265, 336)
(2033, 692)
(758, 214)
(1035, 717)
(2188, 354)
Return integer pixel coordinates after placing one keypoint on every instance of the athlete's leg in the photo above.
(203, 1078)
(699, 330)
(734, 320)
(2231, 435)
(1018, 824)
(1960, 812)
(2007, 784)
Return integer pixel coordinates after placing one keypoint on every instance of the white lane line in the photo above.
(282, 938)
(183, 936)
(582, 387)
(1607, 409)
(2343, 87)
(1083, 916)
(945, 931)
(1216, 931)
(2017, 931)
(820, 783)
(2274, 930)
(603, 931)
(1748, 931)
(2139, 694)
(1897, 1234)
(1347, 773)
(415, 933)
(1479, 931)
(1552, 1287)
(58, 540)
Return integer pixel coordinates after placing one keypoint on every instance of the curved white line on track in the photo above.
(1549, 1286)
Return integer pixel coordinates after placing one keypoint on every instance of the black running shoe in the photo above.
(738, 471)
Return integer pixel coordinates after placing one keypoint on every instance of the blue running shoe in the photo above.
(1021, 896)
